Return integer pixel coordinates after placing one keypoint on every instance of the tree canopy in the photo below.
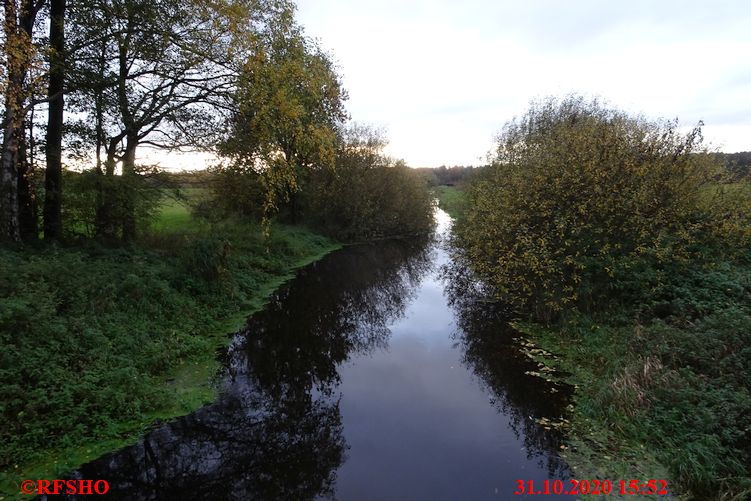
(238, 77)
(289, 103)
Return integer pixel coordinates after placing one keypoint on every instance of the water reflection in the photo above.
(367, 377)
(276, 430)
(336, 308)
(490, 350)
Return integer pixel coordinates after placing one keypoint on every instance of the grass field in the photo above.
(451, 199)
(174, 212)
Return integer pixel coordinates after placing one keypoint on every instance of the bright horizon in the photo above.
(443, 77)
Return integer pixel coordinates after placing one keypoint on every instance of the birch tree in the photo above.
(19, 55)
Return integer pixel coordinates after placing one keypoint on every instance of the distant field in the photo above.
(451, 199)
(737, 187)
(174, 214)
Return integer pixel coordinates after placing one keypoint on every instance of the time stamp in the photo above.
(592, 487)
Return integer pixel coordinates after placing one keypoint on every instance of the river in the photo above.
(375, 374)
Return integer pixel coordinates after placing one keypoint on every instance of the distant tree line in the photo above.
(448, 176)
(739, 164)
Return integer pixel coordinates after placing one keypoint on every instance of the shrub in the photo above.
(580, 195)
(92, 199)
(234, 190)
(206, 258)
(368, 195)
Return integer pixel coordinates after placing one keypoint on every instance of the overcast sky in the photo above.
(443, 76)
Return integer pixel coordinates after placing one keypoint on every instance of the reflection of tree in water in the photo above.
(490, 352)
(275, 432)
(336, 307)
(231, 451)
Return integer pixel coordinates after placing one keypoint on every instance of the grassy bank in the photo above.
(99, 342)
(663, 389)
(662, 385)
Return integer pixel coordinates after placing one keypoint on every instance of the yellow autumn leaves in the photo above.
(578, 193)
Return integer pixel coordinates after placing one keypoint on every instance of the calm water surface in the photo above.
(376, 374)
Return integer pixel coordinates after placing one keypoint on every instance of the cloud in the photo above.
(444, 76)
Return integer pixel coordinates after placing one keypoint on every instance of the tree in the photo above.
(20, 54)
(289, 104)
(157, 74)
(367, 195)
(580, 195)
(145, 74)
(53, 148)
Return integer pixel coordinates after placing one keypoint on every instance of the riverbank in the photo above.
(662, 385)
(99, 343)
(663, 390)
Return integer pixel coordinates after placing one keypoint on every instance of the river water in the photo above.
(376, 374)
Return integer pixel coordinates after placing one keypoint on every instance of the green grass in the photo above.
(99, 342)
(663, 389)
(592, 355)
(173, 214)
(451, 199)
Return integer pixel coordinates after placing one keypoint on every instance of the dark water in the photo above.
(376, 374)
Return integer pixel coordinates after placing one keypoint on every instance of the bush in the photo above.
(93, 199)
(580, 197)
(234, 190)
(206, 258)
(368, 195)
(80, 203)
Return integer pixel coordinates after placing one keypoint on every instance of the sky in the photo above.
(443, 76)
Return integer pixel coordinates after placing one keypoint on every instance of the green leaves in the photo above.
(290, 103)
(578, 190)
(367, 195)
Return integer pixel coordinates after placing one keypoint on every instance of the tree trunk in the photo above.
(18, 28)
(27, 207)
(107, 197)
(129, 173)
(53, 174)
(9, 222)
